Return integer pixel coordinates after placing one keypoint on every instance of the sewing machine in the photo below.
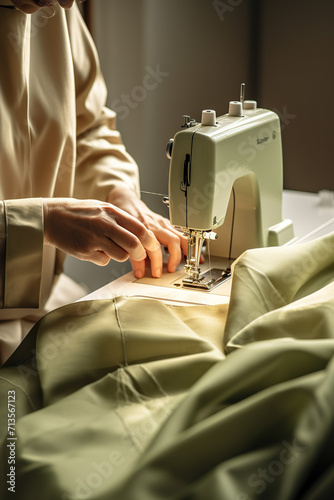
(225, 187)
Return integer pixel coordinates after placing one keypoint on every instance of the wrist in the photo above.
(50, 208)
(125, 198)
(121, 192)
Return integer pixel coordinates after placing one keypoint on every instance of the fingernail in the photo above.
(157, 273)
(138, 274)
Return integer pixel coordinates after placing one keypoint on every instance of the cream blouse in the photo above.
(57, 140)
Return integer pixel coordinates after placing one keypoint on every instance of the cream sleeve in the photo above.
(102, 160)
(21, 249)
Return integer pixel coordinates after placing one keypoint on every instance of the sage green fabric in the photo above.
(134, 399)
(282, 292)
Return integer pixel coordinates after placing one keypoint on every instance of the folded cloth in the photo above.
(93, 381)
(282, 292)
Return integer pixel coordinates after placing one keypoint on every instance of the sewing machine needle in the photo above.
(209, 254)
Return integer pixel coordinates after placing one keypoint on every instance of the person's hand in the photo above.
(95, 231)
(166, 234)
(30, 6)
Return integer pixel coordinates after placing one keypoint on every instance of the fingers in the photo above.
(177, 246)
(156, 263)
(98, 231)
(99, 258)
(145, 236)
(66, 4)
(159, 226)
(138, 268)
(27, 6)
(44, 3)
(122, 242)
(31, 6)
(125, 237)
(173, 243)
(133, 236)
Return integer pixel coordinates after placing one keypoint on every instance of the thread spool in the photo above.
(209, 117)
(235, 108)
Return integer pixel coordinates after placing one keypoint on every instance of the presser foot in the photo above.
(207, 280)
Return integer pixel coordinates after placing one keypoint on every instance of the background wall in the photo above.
(295, 75)
(165, 58)
(283, 50)
(162, 59)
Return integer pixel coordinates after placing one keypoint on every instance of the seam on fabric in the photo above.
(155, 380)
(167, 411)
(121, 332)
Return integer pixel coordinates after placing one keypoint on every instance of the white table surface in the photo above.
(312, 214)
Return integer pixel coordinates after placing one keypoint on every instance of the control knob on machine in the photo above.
(169, 148)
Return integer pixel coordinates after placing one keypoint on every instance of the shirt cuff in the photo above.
(23, 252)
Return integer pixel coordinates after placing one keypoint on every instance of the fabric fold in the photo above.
(134, 398)
(267, 279)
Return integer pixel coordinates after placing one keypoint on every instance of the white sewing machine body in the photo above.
(228, 177)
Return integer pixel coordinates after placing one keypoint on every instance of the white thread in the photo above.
(155, 380)
(155, 194)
